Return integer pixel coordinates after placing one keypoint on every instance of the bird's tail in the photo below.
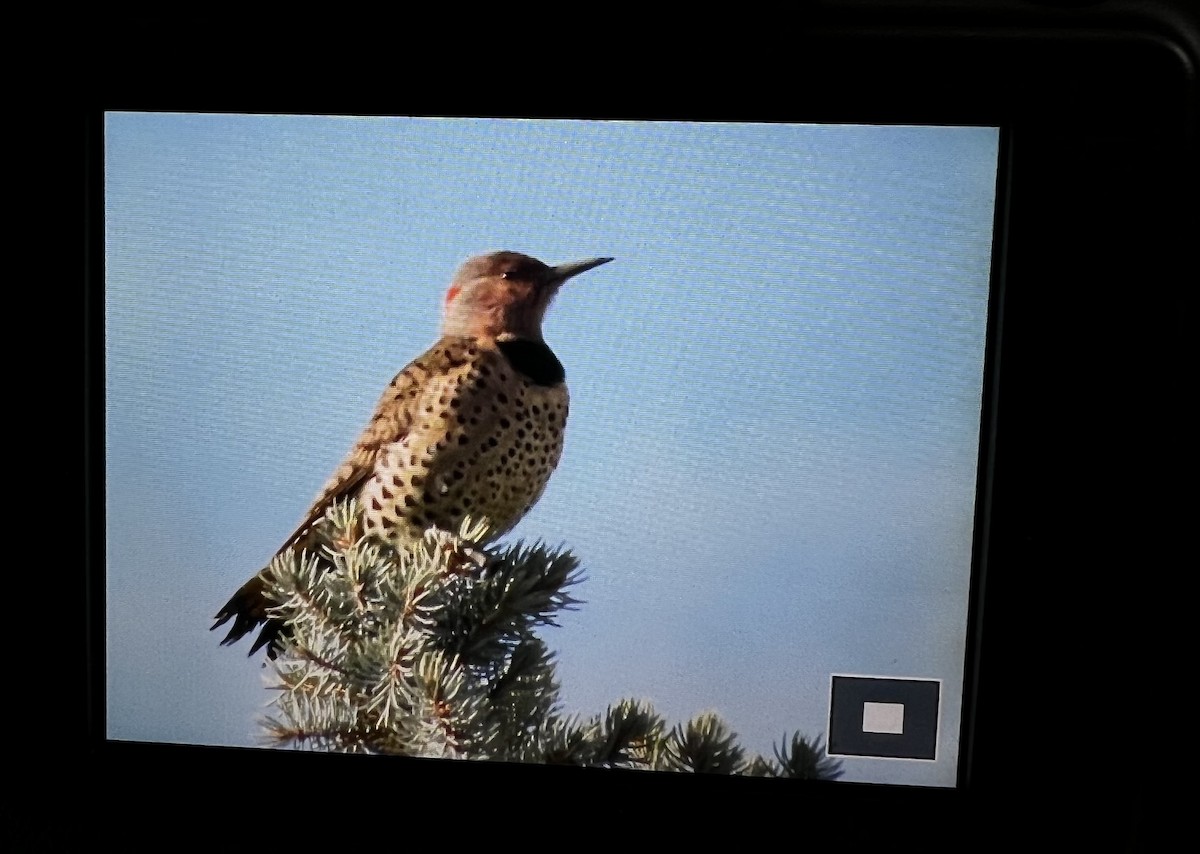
(248, 607)
(248, 610)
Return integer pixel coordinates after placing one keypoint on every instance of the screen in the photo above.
(771, 467)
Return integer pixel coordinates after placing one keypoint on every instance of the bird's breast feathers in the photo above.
(479, 438)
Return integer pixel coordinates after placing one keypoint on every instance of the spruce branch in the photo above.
(432, 650)
(806, 760)
(705, 744)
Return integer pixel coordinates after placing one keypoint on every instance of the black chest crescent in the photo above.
(533, 360)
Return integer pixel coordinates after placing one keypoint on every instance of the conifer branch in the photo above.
(432, 651)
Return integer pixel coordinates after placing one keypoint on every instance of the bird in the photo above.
(473, 426)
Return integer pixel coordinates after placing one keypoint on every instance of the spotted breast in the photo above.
(475, 430)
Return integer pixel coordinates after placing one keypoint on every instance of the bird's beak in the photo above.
(562, 272)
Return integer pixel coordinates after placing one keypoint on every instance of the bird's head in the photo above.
(505, 294)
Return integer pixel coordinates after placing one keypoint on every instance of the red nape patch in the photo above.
(452, 292)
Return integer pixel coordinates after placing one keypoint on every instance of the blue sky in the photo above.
(775, 388)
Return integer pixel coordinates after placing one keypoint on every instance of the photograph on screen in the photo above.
(720, 384)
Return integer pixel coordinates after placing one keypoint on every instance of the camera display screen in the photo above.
(771, 467)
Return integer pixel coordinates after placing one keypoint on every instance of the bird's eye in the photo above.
(509, 274)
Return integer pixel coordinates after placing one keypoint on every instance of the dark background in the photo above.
(1083, 579)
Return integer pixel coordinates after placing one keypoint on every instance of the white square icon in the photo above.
(883, 717)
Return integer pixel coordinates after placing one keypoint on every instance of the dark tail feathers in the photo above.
(248, 610)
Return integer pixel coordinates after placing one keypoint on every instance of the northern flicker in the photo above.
(472, 426)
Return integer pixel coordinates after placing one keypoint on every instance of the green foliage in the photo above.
(432, 651)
